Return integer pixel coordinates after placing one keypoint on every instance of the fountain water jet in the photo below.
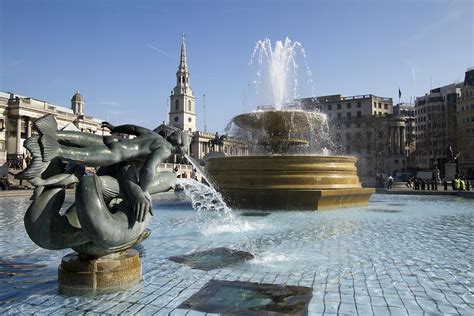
(289, 168)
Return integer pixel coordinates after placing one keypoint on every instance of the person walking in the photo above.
(389, 182)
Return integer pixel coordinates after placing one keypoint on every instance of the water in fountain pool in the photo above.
(413, 258)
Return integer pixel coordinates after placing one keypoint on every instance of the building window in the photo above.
(176, 105)
(190, 119)
(385, 106)
(339, 114)
(2, 124)
(338, 106)
(189, 105)
(2, 145)
(359, 113)
(176, 119)
(349, 114)
(329, 107)
(396, 161)
(359, 104)
(349, 105)
(380, 105)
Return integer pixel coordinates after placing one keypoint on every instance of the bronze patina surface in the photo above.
(288, 182)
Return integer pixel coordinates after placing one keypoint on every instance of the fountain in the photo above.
(287, 169)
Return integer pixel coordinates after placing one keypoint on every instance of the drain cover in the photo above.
(247, 298)
(213, 258)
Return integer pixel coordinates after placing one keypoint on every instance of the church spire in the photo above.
(182, 101)
(182, 63)
(182, 75)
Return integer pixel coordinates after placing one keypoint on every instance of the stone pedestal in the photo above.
(107, 274)
(449, 171)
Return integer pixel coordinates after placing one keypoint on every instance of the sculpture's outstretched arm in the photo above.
(148, 170)
(131, 130)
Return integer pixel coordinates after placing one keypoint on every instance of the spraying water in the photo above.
(218, 217)
(199, 169)
(277, 71)
(214, 215)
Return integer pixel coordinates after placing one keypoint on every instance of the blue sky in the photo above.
(123, 55)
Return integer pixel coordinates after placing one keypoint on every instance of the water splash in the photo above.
(278, 71)
(199, 169)
(203, 197)
(215, 216)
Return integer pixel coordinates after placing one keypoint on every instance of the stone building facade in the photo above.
(465, 122)
(436, 125)
(366, 127)
(201, 146)
(17, 113)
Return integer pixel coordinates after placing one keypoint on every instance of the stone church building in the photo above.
(182, 115)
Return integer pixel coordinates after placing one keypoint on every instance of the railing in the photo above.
(171, 166)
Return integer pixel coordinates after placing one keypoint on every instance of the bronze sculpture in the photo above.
(112, 207)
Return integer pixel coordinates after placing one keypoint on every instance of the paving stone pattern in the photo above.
(411, 259)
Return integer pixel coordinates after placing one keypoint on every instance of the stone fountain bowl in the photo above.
(280, 122)
(288, 182)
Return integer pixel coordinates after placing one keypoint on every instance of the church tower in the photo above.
(182, 101)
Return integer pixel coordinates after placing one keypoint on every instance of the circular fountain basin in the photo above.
(288, 182)
(278, 122)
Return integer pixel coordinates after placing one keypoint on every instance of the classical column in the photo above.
(389, 140)
(394, 143)
(394, 135)
(18, 136)
(402, 139)
(28, 127)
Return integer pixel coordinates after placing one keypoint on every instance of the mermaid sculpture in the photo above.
(113, 207)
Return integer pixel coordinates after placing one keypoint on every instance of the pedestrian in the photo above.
(4, 184)
(389, 182)
(457, 183)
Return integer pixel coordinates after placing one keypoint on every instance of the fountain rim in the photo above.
(287, 156)
(261, 118)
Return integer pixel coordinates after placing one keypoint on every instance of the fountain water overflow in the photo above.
(288, 167)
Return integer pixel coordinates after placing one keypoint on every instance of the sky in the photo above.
(123, 55)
